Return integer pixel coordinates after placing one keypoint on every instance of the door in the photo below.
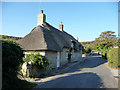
(58, 59)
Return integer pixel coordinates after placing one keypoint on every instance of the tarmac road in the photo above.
(92, 73)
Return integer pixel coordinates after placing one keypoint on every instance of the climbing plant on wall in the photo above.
(37, 59)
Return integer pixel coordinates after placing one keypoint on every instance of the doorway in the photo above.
(58, 59)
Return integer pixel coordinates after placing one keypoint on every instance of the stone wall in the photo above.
(30, 70)
(52, 57)
(64, 57)
(76, 56)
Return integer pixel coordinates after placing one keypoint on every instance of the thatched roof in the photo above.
(47, 37)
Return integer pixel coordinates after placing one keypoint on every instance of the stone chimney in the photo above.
(61, 27)
(77, 39)
(41, 18)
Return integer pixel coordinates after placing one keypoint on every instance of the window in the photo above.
(73, 44)
(66, 54)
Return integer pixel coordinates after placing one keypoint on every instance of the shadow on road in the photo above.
(81, 80)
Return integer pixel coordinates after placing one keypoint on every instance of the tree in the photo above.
(88, 45)
(106, 40)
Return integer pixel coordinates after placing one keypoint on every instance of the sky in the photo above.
(85, 20)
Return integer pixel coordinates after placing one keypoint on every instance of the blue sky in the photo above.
(85, 20)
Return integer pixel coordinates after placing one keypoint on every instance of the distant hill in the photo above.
(88, 42)
(10, 37)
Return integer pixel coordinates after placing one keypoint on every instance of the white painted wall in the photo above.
(63, 59)
(29, 52)
(41, 18)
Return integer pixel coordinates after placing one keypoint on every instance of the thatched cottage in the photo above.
(56, 44)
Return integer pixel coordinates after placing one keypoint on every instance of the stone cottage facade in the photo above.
(55, 44)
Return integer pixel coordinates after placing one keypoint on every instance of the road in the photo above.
(92, 73)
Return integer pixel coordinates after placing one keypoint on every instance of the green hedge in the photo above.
(113, 57)
(104, 52)
(11, 60)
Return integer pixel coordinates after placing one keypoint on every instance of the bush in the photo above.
(113, 57)
(104, 53)
(88, 50)
(11, 60)
(37, 59)
(11, 56)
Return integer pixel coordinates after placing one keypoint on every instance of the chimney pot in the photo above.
(77, 39)
(41, 11)
(61, 27)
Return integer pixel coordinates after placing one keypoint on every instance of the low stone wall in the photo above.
(34, 71)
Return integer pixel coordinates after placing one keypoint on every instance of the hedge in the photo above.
(113, 57)
(104, 52)
(11, 60)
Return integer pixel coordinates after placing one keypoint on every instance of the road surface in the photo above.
(92, 73)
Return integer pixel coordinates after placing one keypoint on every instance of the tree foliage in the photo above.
(11, 60)
(105, 41)
(37, 59)
(11, 57)
(88, 46)
(87, 50)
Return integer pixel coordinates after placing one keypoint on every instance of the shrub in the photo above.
(11, 56)
(113, 57)
(104, 52)
(88, 50)
(11, 60)
(37, 59)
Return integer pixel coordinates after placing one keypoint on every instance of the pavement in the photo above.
(115, 73)
(91, 73)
